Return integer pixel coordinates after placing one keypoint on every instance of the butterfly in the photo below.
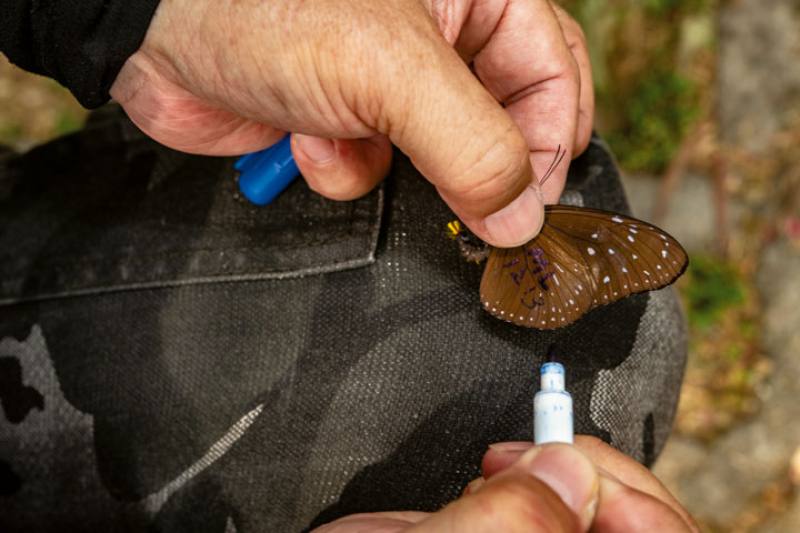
(583, 258)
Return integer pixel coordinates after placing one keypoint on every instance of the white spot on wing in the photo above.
(606, 279)
(630, 238)
(611, 251)
(590, 250)
(616, 219)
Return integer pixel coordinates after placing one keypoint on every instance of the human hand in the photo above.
(631, 498)
(547, 488)
(225, 77)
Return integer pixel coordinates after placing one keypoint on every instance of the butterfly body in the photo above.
(583, 258)
(471, 247)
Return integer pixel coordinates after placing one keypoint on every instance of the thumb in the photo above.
(550, 488)
(465, 143)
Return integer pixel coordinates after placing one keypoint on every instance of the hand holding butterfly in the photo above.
(543, 489)
(480, 94)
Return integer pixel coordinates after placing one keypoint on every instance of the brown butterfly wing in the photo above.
(583, 258)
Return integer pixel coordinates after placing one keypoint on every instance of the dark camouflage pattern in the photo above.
(175, 359)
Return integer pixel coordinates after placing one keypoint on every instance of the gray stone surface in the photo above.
(758, 96)
(759, 82)
(691, 218)
(717, 481)
(788, 521)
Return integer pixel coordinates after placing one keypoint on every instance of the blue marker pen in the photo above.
(552, 407)
(264, 175)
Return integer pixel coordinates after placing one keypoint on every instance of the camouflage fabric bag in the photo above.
(173, 358)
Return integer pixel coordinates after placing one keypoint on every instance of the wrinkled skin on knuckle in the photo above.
(367, 63)
(498, 175)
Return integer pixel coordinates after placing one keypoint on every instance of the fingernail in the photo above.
(519, 221)
(317, 149)
(569, 474)
(511, 447)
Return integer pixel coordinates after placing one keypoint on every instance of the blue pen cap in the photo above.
(554, 368)
(265, 174)
(552, 377)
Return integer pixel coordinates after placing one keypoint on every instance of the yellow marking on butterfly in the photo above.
(454, 229)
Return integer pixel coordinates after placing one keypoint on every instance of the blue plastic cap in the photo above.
(265, 174)
(552, 368)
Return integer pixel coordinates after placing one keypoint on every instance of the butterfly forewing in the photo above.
(583, 258)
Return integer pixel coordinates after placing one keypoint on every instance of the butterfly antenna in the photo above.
(556, 161)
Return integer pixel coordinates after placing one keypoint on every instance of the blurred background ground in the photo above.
(700, 100)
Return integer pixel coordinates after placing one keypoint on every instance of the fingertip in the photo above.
(501, 455)
(583, 134)
(342, 169)
(516, 223)
(313, 151)
(569, 473)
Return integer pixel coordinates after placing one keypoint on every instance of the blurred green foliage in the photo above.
(67, 121)
(9, 133)
(652, 123)
(713, 286)
(726, 363)
(34, 109)
(644, 58)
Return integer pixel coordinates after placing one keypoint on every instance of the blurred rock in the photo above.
(785, 522)
(691, 217)
(718, 481)
(759, 76)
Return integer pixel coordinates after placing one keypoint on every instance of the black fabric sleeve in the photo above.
(80, 43)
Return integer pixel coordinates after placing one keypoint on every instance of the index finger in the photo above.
(527, 66)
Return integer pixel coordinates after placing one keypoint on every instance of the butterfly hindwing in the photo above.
(538, 285)
(583, 258)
